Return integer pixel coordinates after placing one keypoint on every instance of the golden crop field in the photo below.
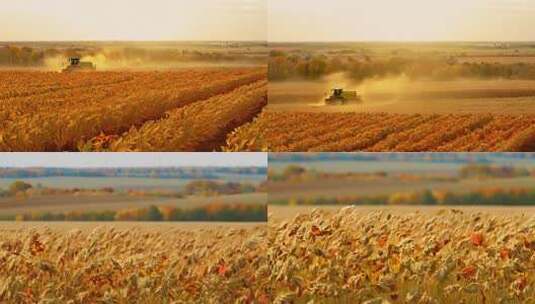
(48, 111)
(289, 132)
(201, 126)
(380, 257)
(134, 265)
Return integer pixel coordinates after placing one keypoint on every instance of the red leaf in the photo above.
(521, 283)
(222, 270)
(382, 240)
(505, 253)
(263, 299)
(315, 230)
(477, 238)
(469, 272)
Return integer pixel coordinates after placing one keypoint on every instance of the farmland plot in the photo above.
(133, 263)
(287, 132)
(47, 111)
(201, 126)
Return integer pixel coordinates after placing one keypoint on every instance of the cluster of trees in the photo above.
(156, 172)
(287, 66)
(21, 56)
(283, 66)
(299, 173)
(73, 216)
(209, 187)
(490, 196)
(214, 212)
(430, 157)
(167, 54)
(296, 172)
(196, 187)
(15, 188)
(475, 170)
(21, 187)
(290, 172)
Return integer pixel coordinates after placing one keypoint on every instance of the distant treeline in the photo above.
(196, 187)
(299, 173)
(430, 157)
(28, 57)
(149, 172)
(23, 56)
(284, 65)
(474, 170)
(214, 212)
(206, 187)
(490, 196)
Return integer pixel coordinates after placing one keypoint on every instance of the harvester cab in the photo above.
(337, 92)
(74, 61)
(339, 96)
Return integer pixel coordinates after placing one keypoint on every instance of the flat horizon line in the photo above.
(133, 167)
(403, 41)
(114, 40)
(280, 41)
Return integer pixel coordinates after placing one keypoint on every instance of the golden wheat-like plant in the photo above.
(379, 132)
(134, 265)
(57, 112)
(201, 126)
(376, 257)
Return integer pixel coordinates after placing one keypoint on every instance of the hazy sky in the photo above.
(401, 20)
(24, 20)
(132, 159)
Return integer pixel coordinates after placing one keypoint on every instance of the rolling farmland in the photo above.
(48, 111)
(413, 96)
(102, 202)
(291, 132)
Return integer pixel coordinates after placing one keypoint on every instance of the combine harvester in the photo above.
(75, 65)
(340, 97)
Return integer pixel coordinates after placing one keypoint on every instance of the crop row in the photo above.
(201, 126)
(62, 119)
(20, 84)
(281, 132)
